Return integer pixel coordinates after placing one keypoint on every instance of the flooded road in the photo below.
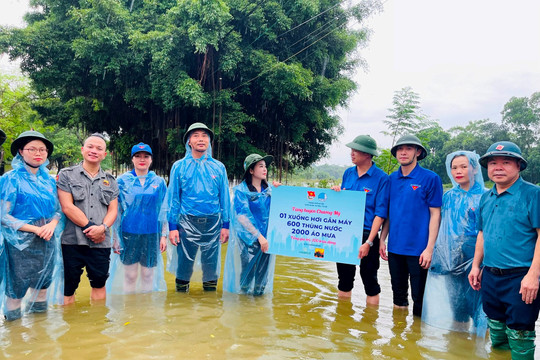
(303, 319)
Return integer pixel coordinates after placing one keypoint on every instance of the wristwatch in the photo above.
(107, 228)
(369, 242)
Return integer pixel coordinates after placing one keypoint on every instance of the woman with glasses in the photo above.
(30, 227)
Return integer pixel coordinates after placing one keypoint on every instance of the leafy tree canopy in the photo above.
(520, 123)
(265, 75)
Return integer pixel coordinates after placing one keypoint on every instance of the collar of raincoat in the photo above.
(18, 163)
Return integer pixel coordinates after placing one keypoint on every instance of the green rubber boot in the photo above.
(497, 333)
(521, 344)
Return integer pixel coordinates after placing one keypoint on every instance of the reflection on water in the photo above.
(302, 320)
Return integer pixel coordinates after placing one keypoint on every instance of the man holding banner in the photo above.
(367, 177)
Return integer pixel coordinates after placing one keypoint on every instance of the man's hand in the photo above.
(264, 243)
(364, 250)
(475, 278)
(224, 236)
(174, 237)
(382, 250)
(96, 233)
(336, 188)
(529, 288)
(425, 259)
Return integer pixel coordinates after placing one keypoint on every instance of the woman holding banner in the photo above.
(248, 267)
(449, 302)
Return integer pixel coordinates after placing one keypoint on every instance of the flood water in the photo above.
(303, 319)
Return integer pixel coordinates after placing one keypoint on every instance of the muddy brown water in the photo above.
(303, 319)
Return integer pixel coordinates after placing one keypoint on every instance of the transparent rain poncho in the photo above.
(33, 266)
(247, 269)
(136, 235)
(449, 301)
(197, 204)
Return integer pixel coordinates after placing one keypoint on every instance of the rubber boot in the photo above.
(521, 344)
(12, 315)
(38, 307)
(209, 285)
(182, 286)
(497, 333)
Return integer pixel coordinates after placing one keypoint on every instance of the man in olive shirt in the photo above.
(88, 197)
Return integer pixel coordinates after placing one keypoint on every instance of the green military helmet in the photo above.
(198, 126)
(28, 136)
(255, 158)
(3, 137)
(504, 148)
(364, 143)
(409, 140)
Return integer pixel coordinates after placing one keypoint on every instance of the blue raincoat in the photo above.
(247, 269)
(197, 205)
(31, 263)
(449, 301)
(136, 235)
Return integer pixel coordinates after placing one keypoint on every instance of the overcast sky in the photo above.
(465, 58)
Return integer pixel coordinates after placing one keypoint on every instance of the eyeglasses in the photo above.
(34, 150)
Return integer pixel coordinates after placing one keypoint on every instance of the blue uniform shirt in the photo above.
(411, 197)
(509, 222)
(375, 184)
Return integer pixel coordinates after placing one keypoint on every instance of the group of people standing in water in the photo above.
(54, 230)
(470, 255)
(446, 246)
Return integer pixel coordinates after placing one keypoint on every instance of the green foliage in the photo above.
(434, 138)
(477, 136)
(265, 75)
(520, 123)
(16, 113)
(67, 146)
(17, 116)
(522, 116)
(406, 116)
(323, 176)
(386, 162)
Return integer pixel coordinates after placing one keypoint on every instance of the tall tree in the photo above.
(434, 138)
(406, 116)
(522, 116)
(477, 136)
(265, 75)
(17, 116)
